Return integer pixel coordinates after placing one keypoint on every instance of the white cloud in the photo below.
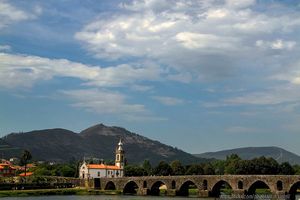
(10, 14)
(196, 40)
(240, 3)
(103, 102)
(141, 88)
(5, 48)
(183, 77)
(168, 101)
(276, 44)
(242, 130)
(286, 93)
(25, 71)
(204, 38)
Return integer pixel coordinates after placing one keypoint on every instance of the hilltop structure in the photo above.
(87, 171)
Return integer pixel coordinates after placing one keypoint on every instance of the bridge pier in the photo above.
(171, 192)
(142, 192)
(203, 193)
(281, 195)
(238, 194)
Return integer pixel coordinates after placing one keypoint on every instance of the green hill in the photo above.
(97, 141)
(279, 154)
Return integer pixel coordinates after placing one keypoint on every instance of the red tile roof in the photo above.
(102, 166)
(27, 174)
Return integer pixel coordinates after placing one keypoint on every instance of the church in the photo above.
(87, 171)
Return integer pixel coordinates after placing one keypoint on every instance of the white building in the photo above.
(101, 170)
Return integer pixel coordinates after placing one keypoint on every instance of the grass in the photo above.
(47, 192)
(263, 191)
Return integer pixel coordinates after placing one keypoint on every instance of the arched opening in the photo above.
(110, 186)
(240, 185)
(173, 184)
(221, 187)
(145, 184)
(259, 188)
(130, 188)
(295, 191)
(279, 185)
(158, 189)
(188, 188)
(97, 183)
(204, 185)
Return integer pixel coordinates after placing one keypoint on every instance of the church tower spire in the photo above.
(120, 155)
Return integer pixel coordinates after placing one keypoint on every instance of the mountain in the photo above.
(97, 141)
(279, 154)
(6, 150)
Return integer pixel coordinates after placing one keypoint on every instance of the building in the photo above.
(6, 170)
(87, 170)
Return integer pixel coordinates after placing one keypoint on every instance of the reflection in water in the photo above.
(100, 197)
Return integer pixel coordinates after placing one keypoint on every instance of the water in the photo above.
(100, 197)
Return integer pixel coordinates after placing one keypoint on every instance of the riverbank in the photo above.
(47, 192)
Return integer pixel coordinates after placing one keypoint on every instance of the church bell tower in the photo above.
(120, 155)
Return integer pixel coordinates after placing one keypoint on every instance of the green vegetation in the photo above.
(66, 170)
(232, 165)
(26, 156)
(45, 192)
(263, 191)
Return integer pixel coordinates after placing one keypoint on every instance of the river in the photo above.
(101, 197)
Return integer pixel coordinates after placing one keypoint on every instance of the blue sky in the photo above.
(198, 75)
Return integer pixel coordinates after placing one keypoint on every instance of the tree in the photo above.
(163, 169)
(286, 169)
(177, 167)
(133, 170)
(219, 166)
(208, 169)
(231, 163)
(297, 169)
(67, 171)
(245, 167)
(263, 165)
(147, 167)
(194, 170)
(26, 156)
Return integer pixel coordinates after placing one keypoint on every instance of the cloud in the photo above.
(168, 101)
(242, 130)
(284, 98)
(5, 48)
(240, 4)
(10, 14)
(276, 44)
(103, 102)
(208, 39)
(25, 70)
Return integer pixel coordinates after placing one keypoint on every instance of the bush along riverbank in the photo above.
(47, 192)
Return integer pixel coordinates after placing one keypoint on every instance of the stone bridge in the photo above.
(207, 185)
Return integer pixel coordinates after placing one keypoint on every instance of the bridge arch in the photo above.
(130, 187)
(155, 188)
(145, 184)
(279, 185)
(184, 188)
(110, 186)
(293, 189)
(218, 187)
(240, 185)
(258, 184)
(173, 184)
(204, 184)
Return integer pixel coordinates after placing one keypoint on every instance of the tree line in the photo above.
(232, 165)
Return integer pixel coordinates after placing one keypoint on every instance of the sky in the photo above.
(197, 75)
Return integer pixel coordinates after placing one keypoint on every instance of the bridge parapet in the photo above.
(206, 184)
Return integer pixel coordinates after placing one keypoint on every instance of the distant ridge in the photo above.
(279, 154)
(97, 141)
